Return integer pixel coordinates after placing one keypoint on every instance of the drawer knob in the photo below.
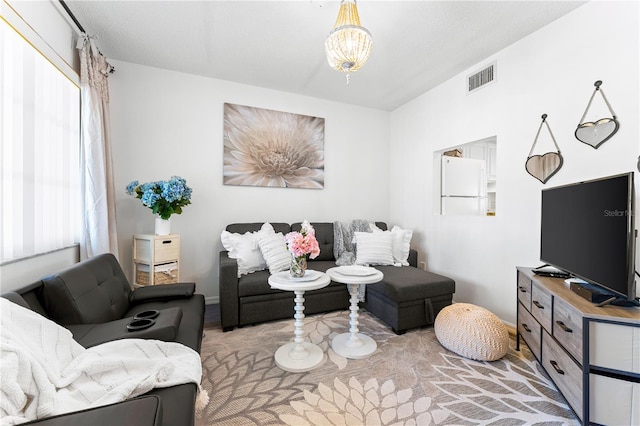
(535, 302)
(523, 289)
(564, 327)
(556, 367)
(166, 242)
(526, 327)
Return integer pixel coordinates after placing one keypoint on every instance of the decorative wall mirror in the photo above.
(543, 167)
(595, 133)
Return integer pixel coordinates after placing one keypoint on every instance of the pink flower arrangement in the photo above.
(303, 243)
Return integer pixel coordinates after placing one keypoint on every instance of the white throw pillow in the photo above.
(274, 250)
(374, 248)
(244, 248)
(401, 244)
(374, 228)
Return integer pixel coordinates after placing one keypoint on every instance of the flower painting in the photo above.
(271, 148)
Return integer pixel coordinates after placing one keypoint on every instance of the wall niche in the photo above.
(466, 179)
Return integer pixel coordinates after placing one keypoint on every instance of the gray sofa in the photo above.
(94, 300)
(406, 298)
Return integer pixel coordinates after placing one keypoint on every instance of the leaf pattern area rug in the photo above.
(409, 380)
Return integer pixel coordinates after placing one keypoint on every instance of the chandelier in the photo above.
(348, 45)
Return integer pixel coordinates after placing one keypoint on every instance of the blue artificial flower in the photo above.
(149, 186)
(163, 197)
(132, 187)
(149, 198)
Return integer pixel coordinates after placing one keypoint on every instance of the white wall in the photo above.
(18, 274)
(167, 123)
(551, 71)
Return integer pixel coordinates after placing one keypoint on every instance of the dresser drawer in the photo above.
(618, 410)
(624, 338)
(530, 331)
(166, 249)
(567, 328)
(541, 305)
(565, 373)
(524, 290)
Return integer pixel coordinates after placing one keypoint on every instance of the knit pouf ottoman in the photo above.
(472, 331)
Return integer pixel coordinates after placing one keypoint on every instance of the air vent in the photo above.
(481, 78)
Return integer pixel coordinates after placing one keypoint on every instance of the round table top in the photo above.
(312, 280)
(355, 274)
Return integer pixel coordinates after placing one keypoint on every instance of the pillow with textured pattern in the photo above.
(374, 248)
(245, 249)
(274, 250)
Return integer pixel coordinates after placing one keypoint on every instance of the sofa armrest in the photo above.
(167, 291)
(228, 285)
(165, 328)
(413, 258)
(141, 411)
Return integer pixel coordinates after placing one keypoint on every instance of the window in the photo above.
(39, 152)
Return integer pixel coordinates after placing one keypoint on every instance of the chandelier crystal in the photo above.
(348, 45)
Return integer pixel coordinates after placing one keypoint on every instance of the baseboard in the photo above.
(211, 300)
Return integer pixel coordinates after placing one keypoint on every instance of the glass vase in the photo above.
(298, 266)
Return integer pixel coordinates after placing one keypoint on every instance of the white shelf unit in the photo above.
(156, 259)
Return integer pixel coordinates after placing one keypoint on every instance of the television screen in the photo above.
(587, 230)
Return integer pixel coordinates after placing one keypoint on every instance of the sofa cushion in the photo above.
(257, 284)
(409, 283)
(17, 299)
(253, 284)
(90, 292)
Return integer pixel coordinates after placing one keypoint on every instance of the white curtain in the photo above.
(39, 151)
(99, 233)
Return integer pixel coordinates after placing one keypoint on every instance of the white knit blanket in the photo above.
(44, 372)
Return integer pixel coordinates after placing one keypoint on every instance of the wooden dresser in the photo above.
(591, 353)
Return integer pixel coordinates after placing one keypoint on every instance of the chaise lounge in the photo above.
(406, 298)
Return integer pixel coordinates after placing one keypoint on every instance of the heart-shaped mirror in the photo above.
(543, 167)
(595, 134)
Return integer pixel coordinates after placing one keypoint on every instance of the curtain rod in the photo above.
(72, 16)
(80, 27)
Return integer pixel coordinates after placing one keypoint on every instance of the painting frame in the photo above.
(269, 148)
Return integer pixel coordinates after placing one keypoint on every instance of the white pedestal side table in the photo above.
(299, 356)
(354, 345)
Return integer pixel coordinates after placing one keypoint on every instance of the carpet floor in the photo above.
(410, 380)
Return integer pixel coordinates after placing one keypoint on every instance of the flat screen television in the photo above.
(588, 231)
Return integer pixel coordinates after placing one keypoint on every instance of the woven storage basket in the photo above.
(472, 331)
(164, 274)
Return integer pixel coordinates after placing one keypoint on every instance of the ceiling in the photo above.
(280, 44)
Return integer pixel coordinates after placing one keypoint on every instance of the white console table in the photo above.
(591, 353)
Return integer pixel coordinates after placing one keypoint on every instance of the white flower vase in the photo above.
(163, 227)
